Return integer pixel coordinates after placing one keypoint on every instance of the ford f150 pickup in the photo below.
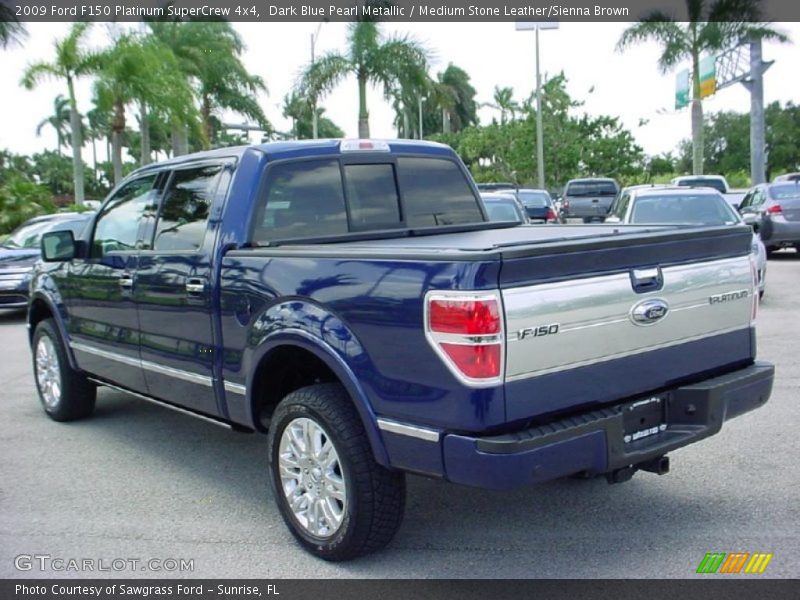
(351, 300)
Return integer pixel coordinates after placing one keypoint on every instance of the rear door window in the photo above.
(184, 211)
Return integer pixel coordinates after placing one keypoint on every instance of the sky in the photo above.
(628, 85)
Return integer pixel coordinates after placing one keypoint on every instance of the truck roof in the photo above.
(304, 148)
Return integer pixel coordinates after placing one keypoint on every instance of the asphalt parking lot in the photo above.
(140, 481)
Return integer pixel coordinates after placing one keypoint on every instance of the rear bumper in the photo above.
(590, 442)
(780, 232)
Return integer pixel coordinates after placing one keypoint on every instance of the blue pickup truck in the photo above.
(351, 300)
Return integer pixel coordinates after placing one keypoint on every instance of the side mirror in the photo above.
(58, 246)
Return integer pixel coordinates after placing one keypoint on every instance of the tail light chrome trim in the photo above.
(437, 339)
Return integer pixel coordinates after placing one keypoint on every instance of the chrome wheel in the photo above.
(312, 477)
(48, 373)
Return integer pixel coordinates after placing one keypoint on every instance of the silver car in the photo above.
(671, 205)
(773, 209)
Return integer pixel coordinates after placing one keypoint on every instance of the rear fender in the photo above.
(308, 326)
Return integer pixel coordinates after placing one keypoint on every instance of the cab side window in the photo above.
(759, 197)
(303, 199)
(622, 207)
(184, 211)
(117, 227)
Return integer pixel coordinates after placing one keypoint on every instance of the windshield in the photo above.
(689, 209)
(591, 188)
(784, 191)
(534, 199)
(502, 210)
(716, 184)
(29, 236)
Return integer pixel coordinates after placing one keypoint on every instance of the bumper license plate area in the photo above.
(644, 418)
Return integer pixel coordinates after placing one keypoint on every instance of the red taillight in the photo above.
(565, 204)
(476, 362)
(551, 215)
(775, 209)
(466, 330)
(472, 317)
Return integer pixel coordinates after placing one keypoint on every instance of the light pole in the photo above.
(536, 26)
(420, 117)
(314, 124)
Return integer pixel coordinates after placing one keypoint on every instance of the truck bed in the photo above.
(376, 290)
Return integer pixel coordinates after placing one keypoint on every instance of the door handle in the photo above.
(195, 286)
(126, 281)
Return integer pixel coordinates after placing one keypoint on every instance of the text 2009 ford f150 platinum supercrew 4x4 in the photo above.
(351, 300)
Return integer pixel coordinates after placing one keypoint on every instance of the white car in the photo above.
(673, 205)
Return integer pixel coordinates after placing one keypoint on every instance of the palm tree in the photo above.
(394, 63)
(71, 62)
(209, 55)
(503, 100)
(452, 104)
(713, 26)
(139, 70)
(58, 120)
(300, 112)
(11, 30)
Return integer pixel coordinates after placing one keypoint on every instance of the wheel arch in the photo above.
(318, 362)
(41, 307)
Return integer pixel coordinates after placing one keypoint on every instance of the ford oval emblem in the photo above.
(649, 312)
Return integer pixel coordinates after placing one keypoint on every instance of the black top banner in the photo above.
(531, 11)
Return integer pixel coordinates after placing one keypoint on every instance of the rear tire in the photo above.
(338, 503)
(65, 394)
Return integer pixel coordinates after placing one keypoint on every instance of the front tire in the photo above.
(65, 394)
(336, 500)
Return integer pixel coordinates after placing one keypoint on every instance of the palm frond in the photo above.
(324, 75)
(38, 72)
(658, 27)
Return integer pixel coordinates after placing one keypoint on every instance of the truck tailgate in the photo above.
(635, 322)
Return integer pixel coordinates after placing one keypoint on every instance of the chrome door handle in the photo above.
(195, 286)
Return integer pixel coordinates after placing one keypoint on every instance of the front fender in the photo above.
(308, 326)
(44, 290)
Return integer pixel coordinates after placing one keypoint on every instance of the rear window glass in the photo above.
(372, 195)
(785, 191)
(691, 209)
(716, 184)
(501, 210)
(591, 188)
(436, 192)
(307, 199)
(534, 199)
(304, 199)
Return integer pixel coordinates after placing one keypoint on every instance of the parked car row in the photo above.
(20, 251)
(772, 210)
